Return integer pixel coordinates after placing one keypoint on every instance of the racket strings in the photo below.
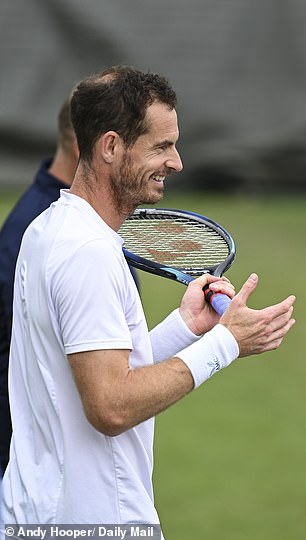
(176, 242)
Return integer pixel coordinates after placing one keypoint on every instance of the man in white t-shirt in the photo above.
(86, 377)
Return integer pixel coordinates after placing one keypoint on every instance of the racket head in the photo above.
(176, 244)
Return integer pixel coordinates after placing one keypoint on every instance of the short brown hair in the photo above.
(116, 99)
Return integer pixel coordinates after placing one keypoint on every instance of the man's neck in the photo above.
(97, 192)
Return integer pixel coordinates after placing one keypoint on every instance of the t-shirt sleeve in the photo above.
(89, 293)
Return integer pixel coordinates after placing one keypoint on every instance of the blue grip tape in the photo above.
(220, 303)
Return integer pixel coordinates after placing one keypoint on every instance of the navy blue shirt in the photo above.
(44, 191)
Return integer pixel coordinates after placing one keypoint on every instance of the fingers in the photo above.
(263, 330)
(285, 304)
(277, 325)
(275, 339)
(277, 317)
(205, 279)
(216, 284)
(247, 289)
(199, 316)
(223, 287)
(258, 331)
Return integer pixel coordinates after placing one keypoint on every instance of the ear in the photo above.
(109, 145)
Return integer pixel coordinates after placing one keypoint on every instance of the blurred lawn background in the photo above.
(230, 458)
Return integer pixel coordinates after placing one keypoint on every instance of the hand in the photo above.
(199, 316)
(257, 331)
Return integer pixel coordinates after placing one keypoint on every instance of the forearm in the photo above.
(147, 391)
(116, 397)
(169, 381)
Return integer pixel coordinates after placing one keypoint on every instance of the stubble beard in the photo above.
(128, 191)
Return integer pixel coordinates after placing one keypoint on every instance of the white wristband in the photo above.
(170, 336)
(214, 351)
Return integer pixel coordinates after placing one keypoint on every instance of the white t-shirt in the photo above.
(73, 292)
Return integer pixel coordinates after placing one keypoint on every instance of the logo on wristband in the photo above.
(215, 366)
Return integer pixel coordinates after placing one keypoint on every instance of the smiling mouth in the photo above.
(158, 178)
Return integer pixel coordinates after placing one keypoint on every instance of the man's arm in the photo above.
(116, 397)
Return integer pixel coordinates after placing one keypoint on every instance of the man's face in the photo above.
(140, 176)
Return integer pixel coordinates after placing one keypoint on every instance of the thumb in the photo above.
(247, 288)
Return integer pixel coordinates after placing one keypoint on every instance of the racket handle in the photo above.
(218, 301)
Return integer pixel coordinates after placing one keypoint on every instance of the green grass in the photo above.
(7, 200)
(230, 458)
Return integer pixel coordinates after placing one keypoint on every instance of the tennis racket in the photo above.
(178, 245)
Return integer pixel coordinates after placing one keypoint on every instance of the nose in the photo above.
(174, 161)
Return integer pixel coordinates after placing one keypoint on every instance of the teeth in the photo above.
(158, 178)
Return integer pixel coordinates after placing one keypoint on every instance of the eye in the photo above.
(163, 147)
